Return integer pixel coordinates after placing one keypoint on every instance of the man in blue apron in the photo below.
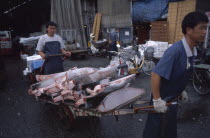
(171, 75)
(50, 47)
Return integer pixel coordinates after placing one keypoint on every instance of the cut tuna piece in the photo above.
(120, 98)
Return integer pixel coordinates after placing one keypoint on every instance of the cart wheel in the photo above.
(200, 83)
(66, 116)
(83, 56)
(32, 78)
(98, 54)
(148, 66)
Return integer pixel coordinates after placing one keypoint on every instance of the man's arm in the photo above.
(64, 52)
(159, 104)
(42, 55)
(40, 47)
(155, 85)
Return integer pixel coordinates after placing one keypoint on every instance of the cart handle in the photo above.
(152, 106)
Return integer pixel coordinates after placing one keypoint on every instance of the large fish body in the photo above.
(119, 83)
(46, 77)
(111, 86)
(109, 71)
(120, 98)
(106, 88)
(79, 77)
(71, 74)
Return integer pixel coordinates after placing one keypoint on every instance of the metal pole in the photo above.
(206, 38)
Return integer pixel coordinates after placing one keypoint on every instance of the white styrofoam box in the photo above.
(152, 43)
(162, 44)
(158, 54)
(35, 57)
(161, 49)
(31, 59)
(24, 56)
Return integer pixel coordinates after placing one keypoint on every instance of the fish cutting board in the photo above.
(120, 98)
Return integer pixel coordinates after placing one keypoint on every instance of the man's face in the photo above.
(197, 33)
(51, 30)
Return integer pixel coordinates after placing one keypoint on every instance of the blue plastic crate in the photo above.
(36, 64)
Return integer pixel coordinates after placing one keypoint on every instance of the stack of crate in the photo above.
(176, 13)
(96, 26)
(159, 31)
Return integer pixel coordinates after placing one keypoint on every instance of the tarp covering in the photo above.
(149, 10)
(68, 15)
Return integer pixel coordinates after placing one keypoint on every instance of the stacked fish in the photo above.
(69, 85)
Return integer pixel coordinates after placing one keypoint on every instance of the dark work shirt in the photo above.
(174, 69)
(114, 36)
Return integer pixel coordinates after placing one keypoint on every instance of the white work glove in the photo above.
(184, 97)
(160, 105)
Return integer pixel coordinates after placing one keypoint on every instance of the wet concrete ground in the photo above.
(22, 116)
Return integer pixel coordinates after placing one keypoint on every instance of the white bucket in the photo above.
(24, 72)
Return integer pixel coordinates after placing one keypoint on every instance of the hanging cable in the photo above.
(15, 7)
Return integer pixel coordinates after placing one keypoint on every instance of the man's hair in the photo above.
(116, 29)
(192, 19)
(51, 24)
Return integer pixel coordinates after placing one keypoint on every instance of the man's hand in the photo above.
(42, 55)
(184, 97)
(68, 53)
(160, 105)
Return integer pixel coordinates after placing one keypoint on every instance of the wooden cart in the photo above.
(69, 112)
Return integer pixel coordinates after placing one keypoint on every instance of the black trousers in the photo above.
(113, 46)
(160, 125)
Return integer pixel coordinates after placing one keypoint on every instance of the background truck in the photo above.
(6, 47)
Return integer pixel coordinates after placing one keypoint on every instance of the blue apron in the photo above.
(164, 125)
(53, 64)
